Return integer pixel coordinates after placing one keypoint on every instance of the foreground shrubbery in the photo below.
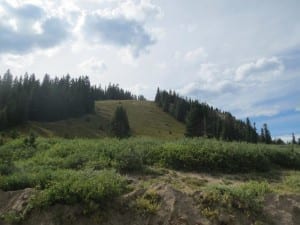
(213, 155)
(26, 166)
(247, 198)
(69, 187)
(88, 172)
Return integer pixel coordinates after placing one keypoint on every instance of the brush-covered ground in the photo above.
(145, 119)
(147, 181)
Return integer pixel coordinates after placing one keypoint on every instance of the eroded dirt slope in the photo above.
(167, 199)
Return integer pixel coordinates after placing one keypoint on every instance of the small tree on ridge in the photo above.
(119, 124)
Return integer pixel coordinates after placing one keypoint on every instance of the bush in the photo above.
(129, 160)
(21, 180)
(71, 187)
(30, 140)
(14, 182)
(247, 197)
(286, 158)
(197, 154)
(6, 163)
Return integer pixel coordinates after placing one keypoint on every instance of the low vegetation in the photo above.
(93, 171)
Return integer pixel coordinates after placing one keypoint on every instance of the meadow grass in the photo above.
(145, 119)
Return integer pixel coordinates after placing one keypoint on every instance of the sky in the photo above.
(239, 56)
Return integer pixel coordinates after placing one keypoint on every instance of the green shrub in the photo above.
(246, 197)
(286, 158)
(74, 161)
(14, 134)
(6, 162)
(71, 187)
(129, 160)
(197, 154)
(30, 140)
(15, 182)
(148, 203)
(20, 180)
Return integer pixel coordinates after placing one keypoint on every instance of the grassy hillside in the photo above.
(145, 119)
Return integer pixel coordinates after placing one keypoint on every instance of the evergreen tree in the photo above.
(193, 123)
(279, 141)
(266, 134)
(248, 131)
(25, 98)
(262, 136)
(293, 139)
(119, 124)
(157, 97)
(210, 122)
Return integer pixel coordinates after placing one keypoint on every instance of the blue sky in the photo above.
(239, 56)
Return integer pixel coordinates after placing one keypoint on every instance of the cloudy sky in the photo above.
(239, 56)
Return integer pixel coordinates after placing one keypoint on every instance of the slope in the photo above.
(145, 119)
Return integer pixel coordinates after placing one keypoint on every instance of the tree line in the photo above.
(204, 120)
(27, 98)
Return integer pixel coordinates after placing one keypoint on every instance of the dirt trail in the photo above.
(284, 209)
(14, 200)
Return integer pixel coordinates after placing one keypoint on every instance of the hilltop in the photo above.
(145, 119)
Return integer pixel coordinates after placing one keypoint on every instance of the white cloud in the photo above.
(261, 66)
(192, 28)
(196, 55)
(138, 89)
(217, 84)
(210, 81)
(162, 65)
(93, 65)
(20, 25)
(127, 58)
(287, 138)
(256, 111)
(133, 10)
(17, 61)
(117, 31)
(177, 55)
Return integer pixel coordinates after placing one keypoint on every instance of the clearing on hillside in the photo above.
(145, 119)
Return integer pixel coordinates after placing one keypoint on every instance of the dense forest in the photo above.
(26, 98)
(204, 120)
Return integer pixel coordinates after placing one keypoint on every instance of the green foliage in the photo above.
(71, 187)
(207, 155)
(265, 135)
(11, 217)
(14, 134)
(1, 141)
(30, 141)
(204, 120)
(119, 124)
(129, 159)
(286, 158)
(84, 170)
(194, 123)
(292, 181)
(26, 98)
(20, 180)
(149, 203)
(24, 166)
(6, 162)
(247, 197)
